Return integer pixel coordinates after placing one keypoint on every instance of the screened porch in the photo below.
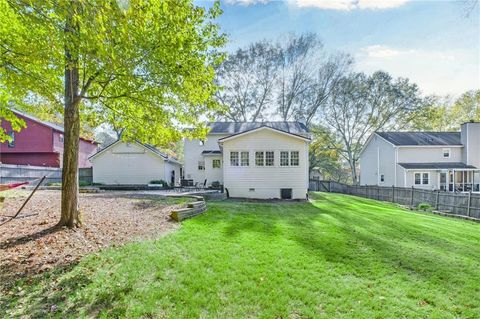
(460, 180)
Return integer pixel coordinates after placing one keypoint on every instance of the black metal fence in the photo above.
(461, 204)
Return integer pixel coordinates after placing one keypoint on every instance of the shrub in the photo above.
(159, 181)
(425, 207)
(54, 184)
(83, 184)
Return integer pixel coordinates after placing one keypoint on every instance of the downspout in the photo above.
(396, 163)
(378, 165)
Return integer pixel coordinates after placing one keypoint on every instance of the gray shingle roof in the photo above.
(454, 165)
(54, 126)
(422, 138)
(212, 152)
(239, 127)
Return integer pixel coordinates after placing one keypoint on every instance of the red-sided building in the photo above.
(40, 144)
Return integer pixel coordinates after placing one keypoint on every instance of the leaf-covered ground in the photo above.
(336, 257)
(33, 244)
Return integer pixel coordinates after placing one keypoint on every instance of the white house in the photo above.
(447, 161)
(133, 163)
(252, 159)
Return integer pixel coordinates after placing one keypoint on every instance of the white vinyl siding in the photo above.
(131, 163)
(193, 153)
(265, 181)
(377, 159)
(429, 154)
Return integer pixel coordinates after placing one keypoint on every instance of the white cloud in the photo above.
(247, 2)
(385, 52)
(349, 4)
(435, 71)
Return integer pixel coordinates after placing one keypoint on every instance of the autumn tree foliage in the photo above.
(148, 66)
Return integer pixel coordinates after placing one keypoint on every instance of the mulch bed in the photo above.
(34, 244)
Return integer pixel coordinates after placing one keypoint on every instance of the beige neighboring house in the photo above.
(448, 161)
(135, 163)
(262, 160)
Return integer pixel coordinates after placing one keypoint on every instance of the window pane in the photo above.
(11, 144)
(244, 159)
(259, 158)
(201, 165)
(294, 158)
(425, 178)
(382, 178)
(234, 158)
(446, 153)
(269, 158)
(283, 158)
(216, 163)
(417, 179)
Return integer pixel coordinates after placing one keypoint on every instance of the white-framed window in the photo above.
(244, 159)
(216, 163)
(11, 144)
(446, 152)
(284, 158)
(259, 158)
(269, 158)
(294, 158)
(422, 178)
(234, 159)
(60, 138)
(289, 158)
(425, 178)
(201, 165)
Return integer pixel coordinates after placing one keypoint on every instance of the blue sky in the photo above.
(431, 42)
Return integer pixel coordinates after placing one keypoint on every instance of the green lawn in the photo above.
(336, 257)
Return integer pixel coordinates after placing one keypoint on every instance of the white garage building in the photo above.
(134, 163)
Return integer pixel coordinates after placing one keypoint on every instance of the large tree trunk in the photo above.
(353, 169)
(70, 215)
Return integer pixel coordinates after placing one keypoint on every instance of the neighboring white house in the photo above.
(447, 161)
(133, 163)
(252, 159)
